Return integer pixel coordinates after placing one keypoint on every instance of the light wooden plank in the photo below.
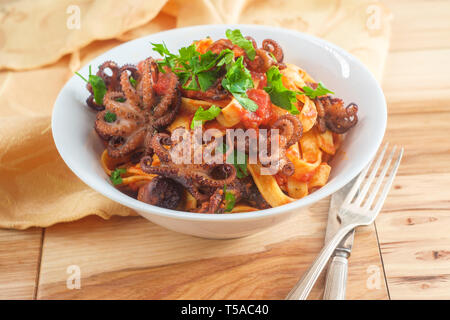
(19, 259)
(415, 73)
(425, 138)
(417, 81)
(419, 24)
(131, 258)
(415, 239)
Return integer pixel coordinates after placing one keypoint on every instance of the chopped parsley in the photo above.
(238, 39)
(202, 115)
(230, 199)
(279, 94)
(110, 117)
(237, 81)
(116, 177)
(314, 93)
(98, 86)
(194, 70)
(235, 158)
(133, 82)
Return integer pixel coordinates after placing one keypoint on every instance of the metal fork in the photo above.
(352, 214)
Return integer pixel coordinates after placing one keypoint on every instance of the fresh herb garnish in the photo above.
(235, 158)
(116, 177)
(110, 117)
(195, 71)
(314, 93)
(202, 115)
(279, 94)
(230, 199)
(273, 56)
(98, 86)
(133, 81)
(120, 99)
(237, 81)
(238, 39)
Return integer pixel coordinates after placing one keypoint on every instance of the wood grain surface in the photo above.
(131, 258)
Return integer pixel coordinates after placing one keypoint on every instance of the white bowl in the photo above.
(80, 147)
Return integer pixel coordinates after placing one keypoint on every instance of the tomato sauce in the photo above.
(162, 84)
(263, 115)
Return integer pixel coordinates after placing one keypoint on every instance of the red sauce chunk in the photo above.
(263, 114)
(162, 84)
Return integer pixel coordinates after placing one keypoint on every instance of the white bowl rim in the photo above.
(253, 215)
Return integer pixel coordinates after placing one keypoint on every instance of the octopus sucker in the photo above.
(333, 115)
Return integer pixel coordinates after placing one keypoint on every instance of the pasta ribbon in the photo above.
(269, 188)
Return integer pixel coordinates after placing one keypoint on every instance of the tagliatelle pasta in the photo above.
(222, 126)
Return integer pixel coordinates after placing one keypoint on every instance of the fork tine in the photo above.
(388, 185)
(369, 180)
(360, 179)
(377, 186)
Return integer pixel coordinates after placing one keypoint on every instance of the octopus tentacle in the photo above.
(175, 173)
(262, 62)
(128, 89)
(124, 109)
(274, 48)
(145, 86)
(119, 146)
(170, 94)
(93, 105)
(338, 118)
(112, 81)
(157, 143)
(219, 45)
(255, 45)
(119, 127)
(244, 189)
(291, 129)
(169, 117)
(204, 178)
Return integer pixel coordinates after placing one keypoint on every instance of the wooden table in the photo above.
(406, 255)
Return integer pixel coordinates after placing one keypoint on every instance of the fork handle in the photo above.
(303, 287)
(336, 282)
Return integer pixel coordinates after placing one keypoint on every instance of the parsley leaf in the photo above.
(116, 177)
(98, 86)
(194, 70)
(202, 115)
(279, 94)
(238, 39)
(237, 81)
(314, 93)
(110, 117)
(235, 158)
(230, 199)
(133, 82)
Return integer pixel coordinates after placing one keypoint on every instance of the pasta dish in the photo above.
(222, 126)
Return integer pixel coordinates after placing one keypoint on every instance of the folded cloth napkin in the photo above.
(42, 42)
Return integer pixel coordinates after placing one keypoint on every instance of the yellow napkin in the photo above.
(41, 46)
